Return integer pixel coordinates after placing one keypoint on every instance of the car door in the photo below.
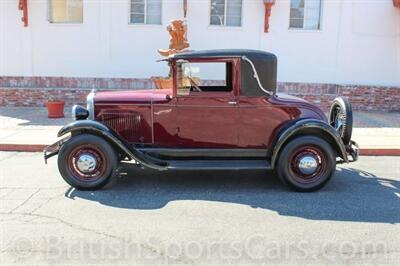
(207, 111)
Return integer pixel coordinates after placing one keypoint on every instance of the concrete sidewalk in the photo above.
(29, 129)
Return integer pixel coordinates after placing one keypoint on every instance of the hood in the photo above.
(132, 96)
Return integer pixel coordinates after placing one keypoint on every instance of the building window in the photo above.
(145, 12)
(305, 14)
(226, 13)
(66, 11)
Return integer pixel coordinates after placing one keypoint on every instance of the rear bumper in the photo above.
(353, 150)
(53, 149)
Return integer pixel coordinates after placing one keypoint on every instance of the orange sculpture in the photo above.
(177, 29)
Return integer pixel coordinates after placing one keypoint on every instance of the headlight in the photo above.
(79, 112)
(90, 104)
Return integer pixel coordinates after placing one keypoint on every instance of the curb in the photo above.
(22, 147)
(380, 152)
(40, 147)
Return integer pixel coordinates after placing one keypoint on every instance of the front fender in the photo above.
(304, 125)
(90, 127)
(84, 125)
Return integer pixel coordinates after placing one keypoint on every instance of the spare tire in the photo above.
(341, 118)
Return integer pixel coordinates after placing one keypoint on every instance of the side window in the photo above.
(305, 14)
(195, 78)
(145, 12)
(226, 13)
(65, 11)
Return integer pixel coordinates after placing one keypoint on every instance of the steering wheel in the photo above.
(194, 85)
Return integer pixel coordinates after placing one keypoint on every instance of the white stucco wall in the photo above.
(359, 42)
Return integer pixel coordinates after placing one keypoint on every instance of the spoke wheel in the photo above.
(338, 120)
(341, 118)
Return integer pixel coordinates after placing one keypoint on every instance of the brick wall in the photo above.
(35, 91)
(362, 98)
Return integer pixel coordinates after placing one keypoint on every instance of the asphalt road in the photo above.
(198, 217)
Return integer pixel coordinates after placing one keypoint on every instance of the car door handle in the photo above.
(232, 102)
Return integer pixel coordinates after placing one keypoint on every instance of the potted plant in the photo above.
(55, 108)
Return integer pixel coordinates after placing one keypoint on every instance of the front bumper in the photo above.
(53, 149)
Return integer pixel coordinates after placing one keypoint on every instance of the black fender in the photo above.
(309, 126)
(94, 127)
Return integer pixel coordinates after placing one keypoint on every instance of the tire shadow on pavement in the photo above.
(351, 195)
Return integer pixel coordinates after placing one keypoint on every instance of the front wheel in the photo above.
(306, 164)
(87, 162)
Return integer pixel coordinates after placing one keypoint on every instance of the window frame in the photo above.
(235, 76)
(51, 21)
(145, 15)
(225, 11)
(320, 28)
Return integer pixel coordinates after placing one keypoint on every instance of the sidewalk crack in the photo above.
(25, 201)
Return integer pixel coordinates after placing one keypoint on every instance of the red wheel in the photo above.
(87, 162)
(306, 163)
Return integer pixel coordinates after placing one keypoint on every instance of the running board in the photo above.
(218, 165)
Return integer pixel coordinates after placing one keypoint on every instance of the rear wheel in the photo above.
(87, 162)
(306, 164)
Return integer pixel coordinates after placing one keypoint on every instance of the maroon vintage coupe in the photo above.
(221, 112)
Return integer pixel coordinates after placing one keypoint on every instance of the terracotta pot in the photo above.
(55, 109)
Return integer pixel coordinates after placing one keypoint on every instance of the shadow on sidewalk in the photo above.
(32, 116)
(352, 195)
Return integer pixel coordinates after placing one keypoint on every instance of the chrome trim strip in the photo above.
(90, 104)
(256, 75)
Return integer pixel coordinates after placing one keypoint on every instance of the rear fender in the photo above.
(94, 127)
(309, 127)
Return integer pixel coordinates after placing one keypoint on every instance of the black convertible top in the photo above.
(258, 68)
(253, 54)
